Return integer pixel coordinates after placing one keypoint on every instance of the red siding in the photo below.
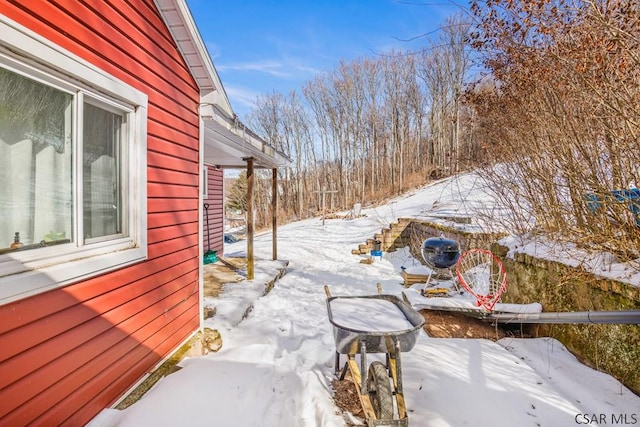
(215, 230)
(68, 353)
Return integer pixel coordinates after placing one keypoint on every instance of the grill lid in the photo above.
(439, 252)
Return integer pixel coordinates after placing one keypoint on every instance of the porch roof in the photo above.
(227, 141)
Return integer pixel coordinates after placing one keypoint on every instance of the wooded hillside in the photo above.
(546, 89)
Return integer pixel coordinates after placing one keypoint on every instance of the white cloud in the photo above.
(270, 67)
(214, 50)
(289, 68)
(242, 99)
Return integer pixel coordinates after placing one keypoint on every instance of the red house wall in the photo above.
(214, 231)
(68, 353)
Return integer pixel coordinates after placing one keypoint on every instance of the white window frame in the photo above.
(30, 272)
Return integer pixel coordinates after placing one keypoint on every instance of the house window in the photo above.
(72, 168)
(36, 197)
(37, 163)
(102, 135)
(205, 182)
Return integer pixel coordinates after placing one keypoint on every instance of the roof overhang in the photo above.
(227, 142)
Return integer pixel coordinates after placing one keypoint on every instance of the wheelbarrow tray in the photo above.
(349, 336)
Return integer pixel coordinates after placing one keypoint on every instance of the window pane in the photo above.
(101, 172)
(35, 163)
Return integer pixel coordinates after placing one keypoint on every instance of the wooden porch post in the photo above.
(274, 212)
(250, 263)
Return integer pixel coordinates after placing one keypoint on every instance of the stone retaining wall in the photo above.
(614, 349)
(417, 231)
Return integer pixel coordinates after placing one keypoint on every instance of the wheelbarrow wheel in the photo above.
(380, 391)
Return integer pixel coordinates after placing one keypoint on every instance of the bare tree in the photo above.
(362, 128)
(444, 69)
(564, 113)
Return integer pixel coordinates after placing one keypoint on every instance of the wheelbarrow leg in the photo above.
(363, 368)
(345, 368)
(395, 368)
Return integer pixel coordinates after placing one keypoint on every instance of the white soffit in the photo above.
(179, 20)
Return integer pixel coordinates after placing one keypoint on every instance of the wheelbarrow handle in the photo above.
(406, 299)
(327, 291)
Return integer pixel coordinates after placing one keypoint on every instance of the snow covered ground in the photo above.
(276, 366)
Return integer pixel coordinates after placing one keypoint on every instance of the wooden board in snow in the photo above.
(368, 315)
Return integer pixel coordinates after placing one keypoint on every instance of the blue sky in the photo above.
(277, 45)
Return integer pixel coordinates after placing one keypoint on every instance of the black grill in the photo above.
(439, 252)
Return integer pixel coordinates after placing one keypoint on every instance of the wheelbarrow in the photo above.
(375, 324)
